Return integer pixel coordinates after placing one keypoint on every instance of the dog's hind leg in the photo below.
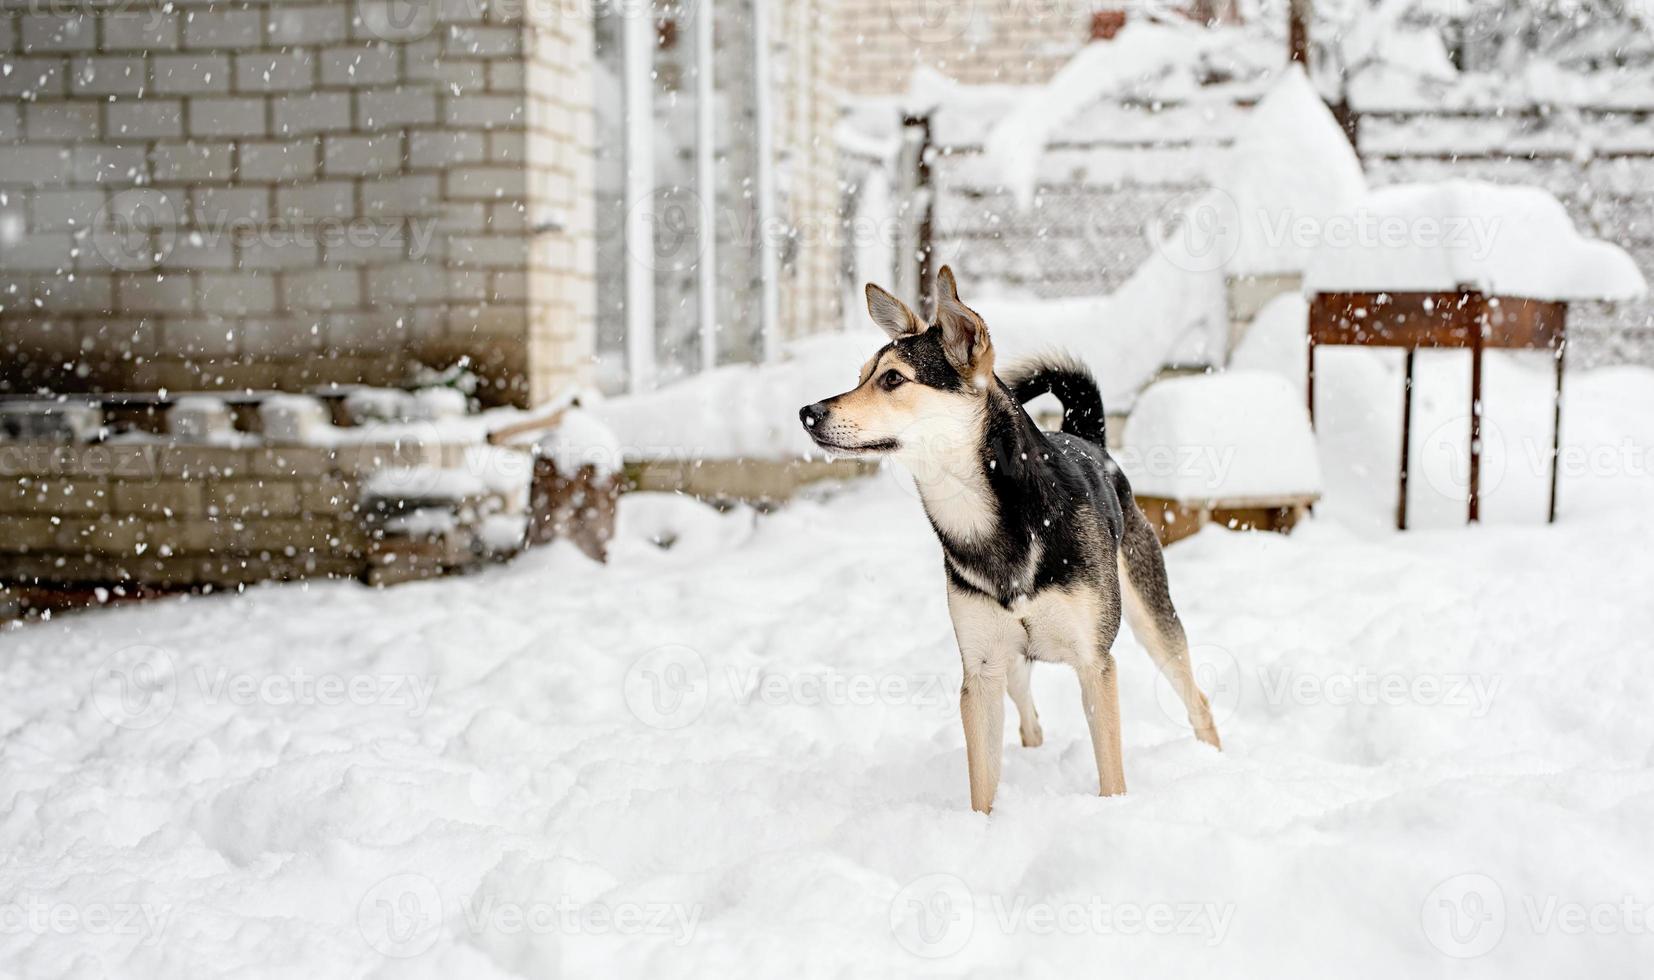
(1153, 620)
(1100, 695)
(1023, 697)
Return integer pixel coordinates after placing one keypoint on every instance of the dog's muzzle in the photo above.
(811, 416)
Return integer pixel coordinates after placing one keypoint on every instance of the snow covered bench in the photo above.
(1233, 449)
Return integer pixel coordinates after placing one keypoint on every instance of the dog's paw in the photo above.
(1033, 737)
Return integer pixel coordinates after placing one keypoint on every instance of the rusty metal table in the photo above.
(1463, 319)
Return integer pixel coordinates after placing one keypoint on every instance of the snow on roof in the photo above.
(1503, 240)
(1235, 436)
(1161, 58)
(1290, 163)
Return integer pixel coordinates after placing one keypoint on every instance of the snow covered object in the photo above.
(1291, 169)
(1498, 239)
(1239, 435)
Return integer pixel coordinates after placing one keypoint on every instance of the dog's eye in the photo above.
(892, 379)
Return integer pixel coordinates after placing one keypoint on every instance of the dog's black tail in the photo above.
(1072, 383)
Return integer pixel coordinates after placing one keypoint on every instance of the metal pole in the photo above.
(769, 260)
(1406, 440)
(638, 51)
(705, 182)
(1477, 329)
(1556, 426)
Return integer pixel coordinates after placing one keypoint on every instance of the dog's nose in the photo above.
(811, 414)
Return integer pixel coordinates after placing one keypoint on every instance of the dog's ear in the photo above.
(891, 314)
(964, 335)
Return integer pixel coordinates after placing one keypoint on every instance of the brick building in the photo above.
(257, 195)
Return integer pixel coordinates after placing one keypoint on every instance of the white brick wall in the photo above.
(345, 190)
(974, 41)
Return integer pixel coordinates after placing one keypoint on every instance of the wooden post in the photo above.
(925, 250)
(1406, 440)
(1298, 12)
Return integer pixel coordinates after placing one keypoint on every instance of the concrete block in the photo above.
(61, 121)
(218, 29)
(148, 119)
(291, 24)
(314, 112)
(123, 75)
(184, 499)
(374, 64)
(280, 161)
(200, 73)
(236, 116)
(284, 71)
(194, 162)
(43, 32)
(150, 29)
(247, 499)
(395, 108)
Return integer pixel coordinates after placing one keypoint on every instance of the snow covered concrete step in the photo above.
(49, 421)
(753, 481)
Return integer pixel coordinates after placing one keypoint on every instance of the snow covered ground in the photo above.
(735, 751)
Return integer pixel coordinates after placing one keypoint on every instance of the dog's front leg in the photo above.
(982, 708)
(990, 641)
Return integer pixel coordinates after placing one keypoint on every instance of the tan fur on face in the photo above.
(925, 422)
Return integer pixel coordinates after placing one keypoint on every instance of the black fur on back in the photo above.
(1057, 492)
(1072, 383)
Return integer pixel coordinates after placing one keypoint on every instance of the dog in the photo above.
(1043, 544)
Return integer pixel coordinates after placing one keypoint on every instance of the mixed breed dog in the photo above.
(1043, 546)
